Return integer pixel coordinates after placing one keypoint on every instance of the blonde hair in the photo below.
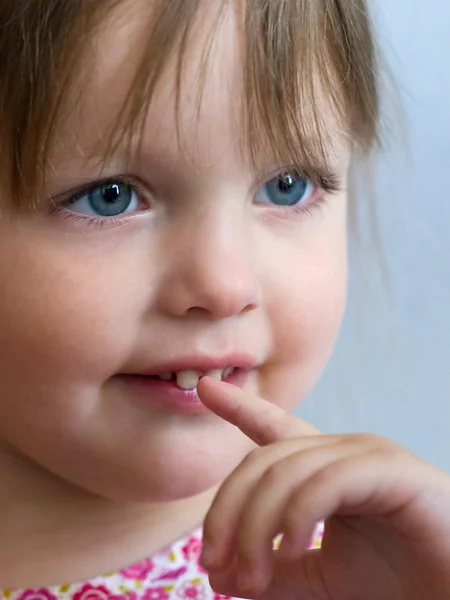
(296, 52)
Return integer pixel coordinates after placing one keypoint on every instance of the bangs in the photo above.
(309, 66)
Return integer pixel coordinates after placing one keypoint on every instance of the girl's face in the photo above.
(187, 260)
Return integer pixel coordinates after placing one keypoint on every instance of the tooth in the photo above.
(165, 376)
(187, 380)
(227, 372)
(216, 374)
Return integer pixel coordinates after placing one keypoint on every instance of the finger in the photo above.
(222, 521)
(226, 583)
(299, 579)
(357, 486)
(264, 423)
(262, 517)
(261, 421)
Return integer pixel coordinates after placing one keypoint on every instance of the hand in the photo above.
(386, 512)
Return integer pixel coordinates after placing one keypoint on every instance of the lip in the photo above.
(202, 364)
(147, 391)
(145, 388)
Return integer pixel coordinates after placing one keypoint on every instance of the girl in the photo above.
(174, 205)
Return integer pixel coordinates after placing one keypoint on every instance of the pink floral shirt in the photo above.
(173, 574)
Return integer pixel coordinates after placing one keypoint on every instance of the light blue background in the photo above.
(391, 370)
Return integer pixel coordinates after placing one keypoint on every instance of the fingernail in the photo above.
(207, 555)
(244, 580)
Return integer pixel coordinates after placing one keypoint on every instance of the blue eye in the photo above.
(106, 200)
(287, 189)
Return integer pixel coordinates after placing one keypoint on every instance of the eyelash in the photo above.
(91, 220)
(326, 185)
(329, 184)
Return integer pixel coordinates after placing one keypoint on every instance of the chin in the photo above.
(160, 489)
(168, 478)
(184, 481)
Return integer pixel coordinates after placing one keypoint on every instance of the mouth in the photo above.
(174, 385)
(187, 379)
(187, 372)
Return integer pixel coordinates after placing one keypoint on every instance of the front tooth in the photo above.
(188, 380)
(216, 374)
(227, 372)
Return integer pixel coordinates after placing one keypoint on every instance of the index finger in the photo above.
(260, 420)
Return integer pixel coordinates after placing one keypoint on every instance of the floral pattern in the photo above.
(192, 549)
(140, 571)
(37, 595)
(174, 574)
(89, 592)
(156, 593)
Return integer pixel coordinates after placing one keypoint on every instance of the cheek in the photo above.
(69, 318)
(306, 305)
(311, 308)
(66, 317)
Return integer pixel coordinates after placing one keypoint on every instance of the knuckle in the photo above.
(325, 475)
(363, 439)
(257, 456)
(271, 476)
(251, 459)
(395, 454)
(375, 441)
(369, 441)
(381, 446)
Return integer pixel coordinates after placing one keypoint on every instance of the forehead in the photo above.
(197, 106)
(210, 95)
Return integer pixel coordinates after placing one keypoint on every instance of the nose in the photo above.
(209, 269)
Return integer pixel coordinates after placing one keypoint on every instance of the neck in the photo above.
(53, 533)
